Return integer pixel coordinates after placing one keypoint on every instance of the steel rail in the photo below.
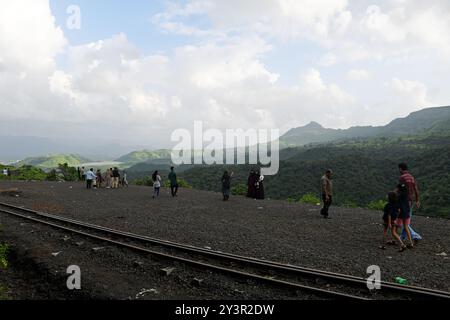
(248, 260)
(193, 262)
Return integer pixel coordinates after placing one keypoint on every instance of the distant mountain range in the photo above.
(426, 121)
(434, 121)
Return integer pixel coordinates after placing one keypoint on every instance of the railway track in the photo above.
(318, 282)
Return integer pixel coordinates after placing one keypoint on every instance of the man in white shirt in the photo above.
(90, 176)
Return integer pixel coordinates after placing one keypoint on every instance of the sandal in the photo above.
(403, 248)
(390, 243)
(382, 247)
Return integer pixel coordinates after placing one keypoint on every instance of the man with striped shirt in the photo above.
(407, 179)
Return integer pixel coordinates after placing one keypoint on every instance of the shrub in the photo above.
(28, 173)
(3, 294)
(3, 256)
(181, 184)
(69, 173)
(146, 181)
(310, 198)
(184, 184)
(349, 204)
(239, 190)
(377, 205)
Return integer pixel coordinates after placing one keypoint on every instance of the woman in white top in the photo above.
(156, 184)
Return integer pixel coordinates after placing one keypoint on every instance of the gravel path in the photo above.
(274, 230)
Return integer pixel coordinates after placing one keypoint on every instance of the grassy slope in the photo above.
(144, 156)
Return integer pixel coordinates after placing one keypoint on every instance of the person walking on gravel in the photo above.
(173, 182)
(407, 179)
(124, 179)
(156, 184)
(327, 193)
(90, 177)
(226, 185)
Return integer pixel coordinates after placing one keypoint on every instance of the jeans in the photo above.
(414, 235)
(226, 193)
(156, 192)
(89, 184)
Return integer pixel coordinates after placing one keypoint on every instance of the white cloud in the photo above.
(29, 45)
(384, 25)
(234, 63)
(358, 75)
(327, 60)
(29, 39)
(224, 75)
(284, 19)
(407, 93)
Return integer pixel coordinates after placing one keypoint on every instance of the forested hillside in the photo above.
(365, 170)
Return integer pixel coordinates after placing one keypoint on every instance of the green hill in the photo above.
(145, 156)
(52, 161)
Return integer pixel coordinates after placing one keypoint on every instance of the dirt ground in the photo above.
(273, 230)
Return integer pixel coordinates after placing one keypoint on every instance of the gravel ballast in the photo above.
(273, 230)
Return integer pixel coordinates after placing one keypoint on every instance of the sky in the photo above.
(134, 71)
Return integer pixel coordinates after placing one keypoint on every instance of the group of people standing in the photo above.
(255, 185)
(95, 179)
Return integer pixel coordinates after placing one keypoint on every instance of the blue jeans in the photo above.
(414, 235)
